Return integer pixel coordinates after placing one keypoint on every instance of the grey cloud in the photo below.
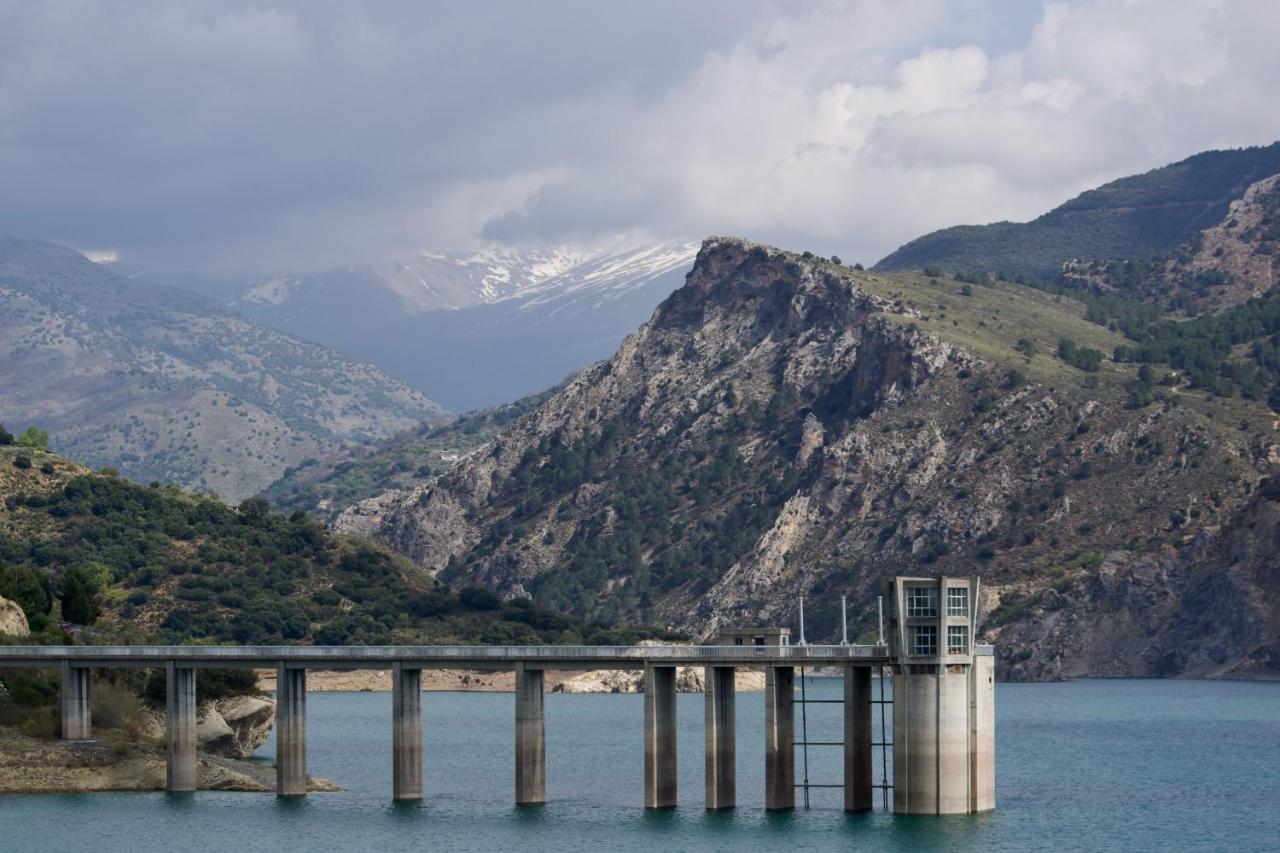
(299, 133)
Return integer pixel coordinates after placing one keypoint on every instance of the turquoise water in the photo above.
(1091, 765)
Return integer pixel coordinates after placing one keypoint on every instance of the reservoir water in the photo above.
(1088, 765)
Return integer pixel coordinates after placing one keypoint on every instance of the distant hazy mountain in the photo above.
(171, 386)
(470, 329)
(1134, 217)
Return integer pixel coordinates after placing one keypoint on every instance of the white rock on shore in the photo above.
(689, 679)
(12, 620)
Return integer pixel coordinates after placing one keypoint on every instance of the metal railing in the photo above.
(338, 655)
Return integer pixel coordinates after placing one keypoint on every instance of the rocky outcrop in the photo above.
(784, 427)
(13, 621)
(689, 679)
(1211, 610)
(236, 726)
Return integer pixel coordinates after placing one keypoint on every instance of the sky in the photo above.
(298, 135)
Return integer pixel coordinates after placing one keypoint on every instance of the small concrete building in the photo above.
(754, 637)
(943, 698)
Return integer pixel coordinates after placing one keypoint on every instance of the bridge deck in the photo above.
(445, 657)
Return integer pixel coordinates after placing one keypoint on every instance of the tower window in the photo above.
(924, 640)
(957, 601)
(922, 601)
(957, 639)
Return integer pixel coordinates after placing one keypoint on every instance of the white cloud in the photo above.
(306, 133)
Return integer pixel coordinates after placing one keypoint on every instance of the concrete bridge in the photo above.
(942, 724)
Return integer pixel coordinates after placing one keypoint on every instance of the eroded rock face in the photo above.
(775, 430)
(235, 727)
(13, 621)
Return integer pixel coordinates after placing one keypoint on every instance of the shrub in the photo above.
(34, 438)
(22, 461)
(28, 588)
(78, 592)
(117, 707)
(475, 598)
(1269, 487)
(6, 437)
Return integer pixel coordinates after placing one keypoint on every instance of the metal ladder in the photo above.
(885, 785)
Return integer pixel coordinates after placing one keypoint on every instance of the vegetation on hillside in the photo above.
(325, 487)
(181, 567)
(1136, 217)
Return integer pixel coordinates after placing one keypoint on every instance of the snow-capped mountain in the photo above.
(470, 328)
(441, 280)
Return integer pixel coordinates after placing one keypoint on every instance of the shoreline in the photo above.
(471, 681)
(115, 763)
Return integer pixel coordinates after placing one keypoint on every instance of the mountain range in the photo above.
(784, 426)
(1133, 218)
(170, 386)
(1080, 409)
(470, 329)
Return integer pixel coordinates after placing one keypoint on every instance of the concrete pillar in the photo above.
(180, 728)
(982, 735)
(931, 727)
(718, 728)
(779, 737)
(406, 733)
(857, 739)
(531, 781)
(76, 713)
(659, 737)
(291, 731)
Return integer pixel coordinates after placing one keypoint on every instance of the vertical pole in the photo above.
(291, 731)
(844, 622)
(180, 728)
(857, 739)
(779, 738)
(406, 733)
(802, 639)
(76, 712)
(531, 784)
(659, 736)
(718, 727)
(880, 607)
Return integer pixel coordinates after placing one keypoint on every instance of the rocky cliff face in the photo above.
(782, 426)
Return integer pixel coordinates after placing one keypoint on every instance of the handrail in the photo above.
(374, 654)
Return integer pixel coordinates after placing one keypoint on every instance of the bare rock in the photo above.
(12, 620)
(235, 727)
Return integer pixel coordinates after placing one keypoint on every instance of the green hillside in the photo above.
(326, 486)
(1134, 217)
(156, 562)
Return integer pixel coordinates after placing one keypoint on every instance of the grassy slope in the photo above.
(994, 317)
